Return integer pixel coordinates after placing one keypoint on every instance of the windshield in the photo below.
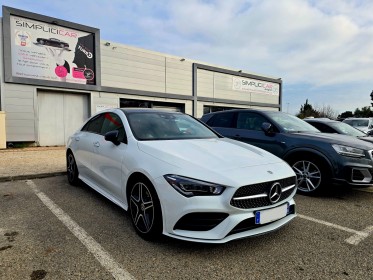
(346, 129)
(167, 126)
(291, 123)
(357, 122)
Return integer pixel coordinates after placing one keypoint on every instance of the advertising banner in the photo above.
(255, 86)
(50, 52)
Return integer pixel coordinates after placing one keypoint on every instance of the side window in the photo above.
(317, 125)
(112, 122)
(324, 128)
(250, 121)
(94, 125)
(222, 120)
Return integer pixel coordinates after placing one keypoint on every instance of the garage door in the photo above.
(60, 115)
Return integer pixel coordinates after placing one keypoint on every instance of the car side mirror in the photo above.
(267, 128)
(113, 136)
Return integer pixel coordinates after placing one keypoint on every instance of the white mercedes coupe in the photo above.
(178, 177)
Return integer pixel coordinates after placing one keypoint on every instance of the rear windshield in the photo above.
(357, 122)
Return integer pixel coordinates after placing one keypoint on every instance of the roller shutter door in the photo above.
(60, 115)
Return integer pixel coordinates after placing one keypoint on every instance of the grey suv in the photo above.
(317, 158)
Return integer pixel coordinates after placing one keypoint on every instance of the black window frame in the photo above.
(103, 132)
(85, 128)
(253, 113)
(87, 125)
(212, 120)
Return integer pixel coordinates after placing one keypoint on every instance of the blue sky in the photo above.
(322, 49)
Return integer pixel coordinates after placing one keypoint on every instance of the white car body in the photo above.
(363, 124)
(107, 168)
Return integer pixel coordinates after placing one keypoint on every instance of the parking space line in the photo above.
(103, 257)
(354, 240)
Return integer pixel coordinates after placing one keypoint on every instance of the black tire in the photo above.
(311, 174)
(145, 209)
(72, 170)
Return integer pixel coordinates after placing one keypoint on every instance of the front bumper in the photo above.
(355, 172)
(229, 223)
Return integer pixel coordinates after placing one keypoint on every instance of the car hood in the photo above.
(335, 139)
(366, 138)
(214, 154)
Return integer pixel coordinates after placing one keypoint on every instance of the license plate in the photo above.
(270, 215)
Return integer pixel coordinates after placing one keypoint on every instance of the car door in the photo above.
(108, 157)
(223, 123)
(248, 129)
(83, 142)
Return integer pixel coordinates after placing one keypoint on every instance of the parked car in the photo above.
(53, 42)
(330, 126)
(317, 158)
(178, 177)
(363, 124)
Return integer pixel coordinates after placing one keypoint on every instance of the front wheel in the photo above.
(311, 175)
(145, 210)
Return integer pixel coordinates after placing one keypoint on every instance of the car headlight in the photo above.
(191, 187)
(348, 151)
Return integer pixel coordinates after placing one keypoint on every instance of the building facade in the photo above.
(55, 74)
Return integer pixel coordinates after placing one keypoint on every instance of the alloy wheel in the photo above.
(142, 207)
(71, 169)
(308, 175)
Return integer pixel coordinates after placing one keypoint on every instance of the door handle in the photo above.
(96, 144)
(77, 138)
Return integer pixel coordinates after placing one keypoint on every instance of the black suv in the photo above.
(317, 158)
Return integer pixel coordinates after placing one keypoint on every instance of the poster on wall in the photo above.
(255, 86)
(50, 52)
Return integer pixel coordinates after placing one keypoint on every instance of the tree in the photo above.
(364, 112)
(344, 115)
(326, 111)
(306, 110)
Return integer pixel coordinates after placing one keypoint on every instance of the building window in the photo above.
(168, 106)
(211, 109)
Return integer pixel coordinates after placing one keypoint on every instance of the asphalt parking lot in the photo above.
(51, 230)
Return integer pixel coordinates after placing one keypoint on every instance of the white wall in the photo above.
(220, 86)
(132, 68)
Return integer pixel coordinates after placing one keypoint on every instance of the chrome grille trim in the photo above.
(256, 195)
(250, 197)
(288, 188)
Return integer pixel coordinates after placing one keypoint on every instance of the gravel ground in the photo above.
(32, 161)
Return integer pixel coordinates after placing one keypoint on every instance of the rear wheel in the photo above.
(311, 175)
(72, 170)
(145, 209)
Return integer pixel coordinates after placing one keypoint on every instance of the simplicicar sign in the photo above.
(255, 86)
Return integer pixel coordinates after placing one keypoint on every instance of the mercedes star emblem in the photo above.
(275, 193)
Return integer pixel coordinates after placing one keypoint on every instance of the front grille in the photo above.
(200, 221)
(249, 223)
(261, 190)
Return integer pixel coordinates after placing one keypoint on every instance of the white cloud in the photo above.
(322, 46)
